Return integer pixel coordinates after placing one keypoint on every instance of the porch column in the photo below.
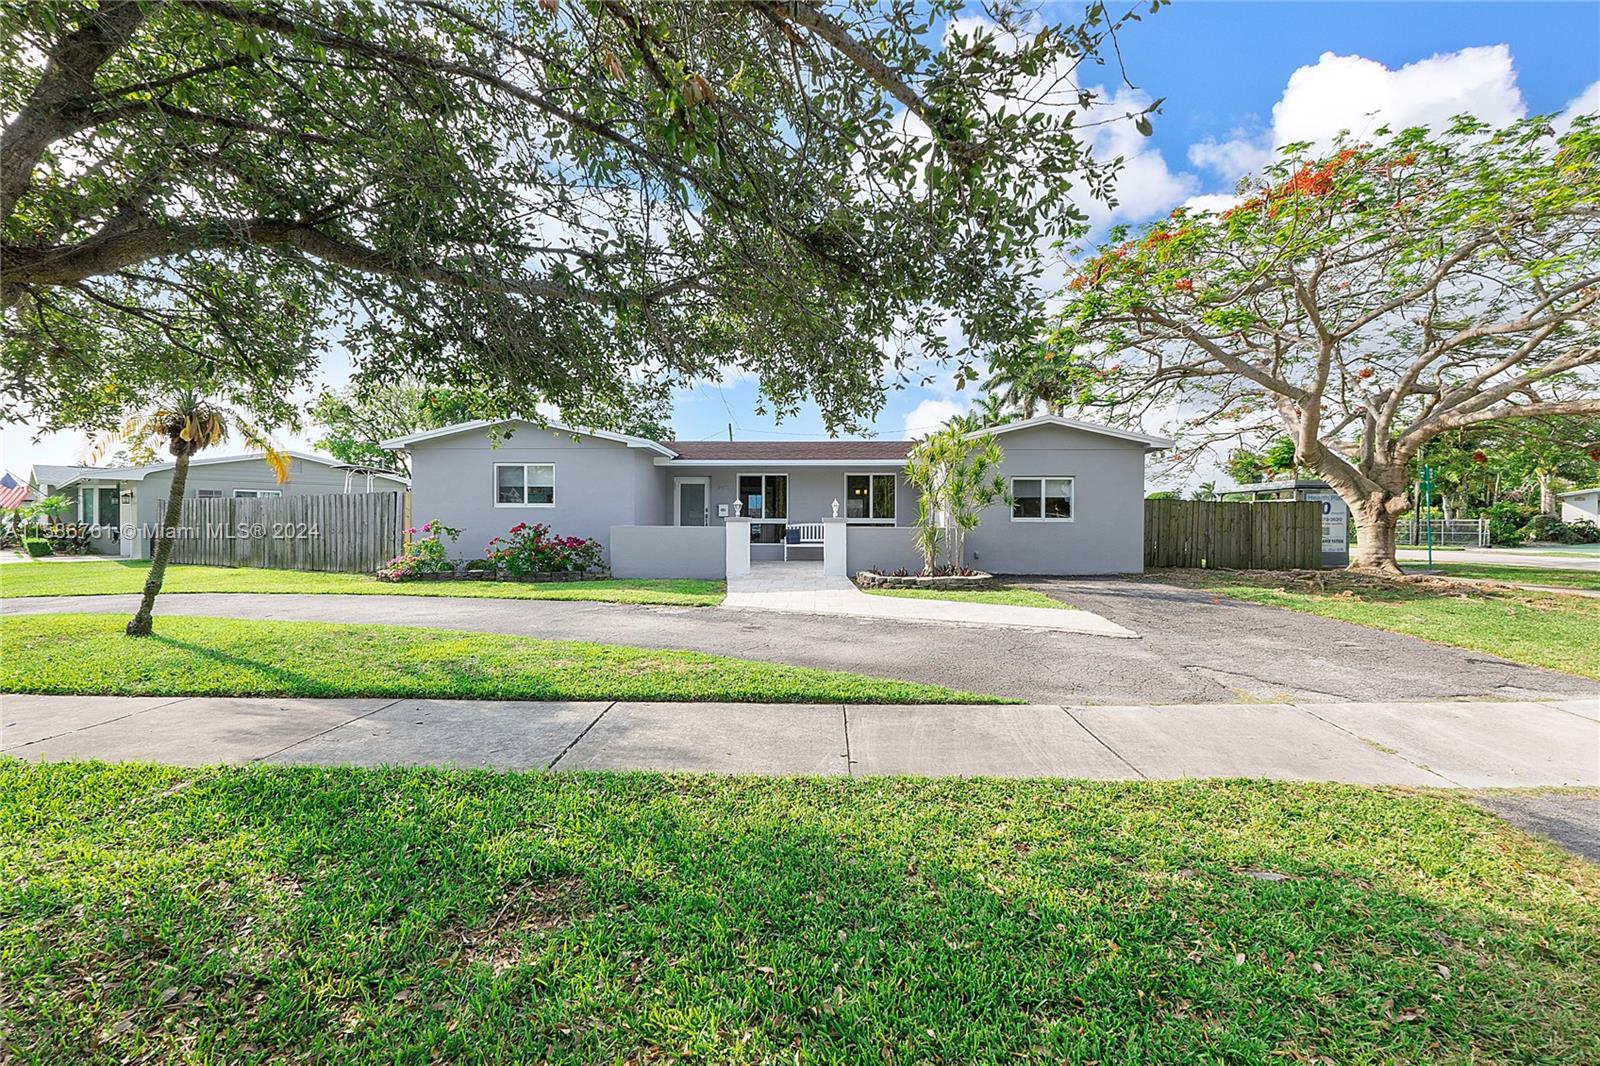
(738, 547)
(834, 548)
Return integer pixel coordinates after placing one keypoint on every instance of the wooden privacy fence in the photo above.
(1233, 536)
(349, 532)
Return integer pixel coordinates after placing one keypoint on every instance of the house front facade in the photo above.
(1580, 505)
(121, 506)
(663, 508)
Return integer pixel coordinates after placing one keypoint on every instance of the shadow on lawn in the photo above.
(322, 913)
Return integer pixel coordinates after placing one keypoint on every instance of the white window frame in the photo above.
(256, 494)
(1072, 496)
(872, 520)
(494, 485)
(763, 475)
(208, 494)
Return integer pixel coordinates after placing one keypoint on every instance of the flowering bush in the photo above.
(427, 553)
(528, 549)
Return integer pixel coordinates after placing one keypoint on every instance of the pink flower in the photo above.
(410, 530)
(427, 527)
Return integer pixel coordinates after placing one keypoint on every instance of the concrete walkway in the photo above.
(1446, 744)
(802, 588)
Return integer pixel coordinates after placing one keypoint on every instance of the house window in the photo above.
(524, 484)
(254, 494)
(108, 511)
(869, 497)
(765, 498)
(1041, 499)
(208, 494)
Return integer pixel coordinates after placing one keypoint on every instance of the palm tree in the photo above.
(186, 425)
(1035, 377)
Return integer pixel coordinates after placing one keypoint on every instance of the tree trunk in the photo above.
(139, 626)
(1375, 539)
(1547, 494)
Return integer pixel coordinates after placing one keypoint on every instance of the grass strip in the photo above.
(84, 654)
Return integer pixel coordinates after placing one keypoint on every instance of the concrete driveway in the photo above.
(1193, 647)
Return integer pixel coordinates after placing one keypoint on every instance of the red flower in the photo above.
(1479, 457)
(1184, 285)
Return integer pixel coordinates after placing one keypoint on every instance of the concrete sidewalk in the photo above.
(1444, 744)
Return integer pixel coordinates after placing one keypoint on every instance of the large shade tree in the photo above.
(540, 200)
(1362, 302)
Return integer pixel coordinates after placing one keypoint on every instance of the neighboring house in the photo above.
(1580, 505)
(658, 506)
(122, 504)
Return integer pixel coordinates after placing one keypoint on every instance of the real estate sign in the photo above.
(1335, 527)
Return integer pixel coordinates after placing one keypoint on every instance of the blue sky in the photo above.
(1224, 68)
(1235, 77)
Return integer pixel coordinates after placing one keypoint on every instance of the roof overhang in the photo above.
(886, 464)
(402, 443)
(1151, 444)
(139, 473)
(1578, 492)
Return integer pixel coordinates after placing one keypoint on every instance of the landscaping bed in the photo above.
(417, 915)
(869, 579)
(535, 576)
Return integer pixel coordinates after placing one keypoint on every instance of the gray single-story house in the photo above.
(1580, 505)
(120, 505)
(664, 508)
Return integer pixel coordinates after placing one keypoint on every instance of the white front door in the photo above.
(691, 501)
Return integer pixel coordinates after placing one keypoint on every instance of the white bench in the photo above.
(801, 535)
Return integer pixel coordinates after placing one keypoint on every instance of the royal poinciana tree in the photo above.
(539, 200)
(1362, 302)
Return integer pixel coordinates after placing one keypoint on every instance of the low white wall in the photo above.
(669, 551)
(886, 548)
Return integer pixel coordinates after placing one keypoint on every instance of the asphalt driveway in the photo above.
(1193, 646)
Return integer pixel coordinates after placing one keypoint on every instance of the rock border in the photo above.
(868, 580)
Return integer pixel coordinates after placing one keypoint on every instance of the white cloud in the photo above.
(1211, 201)
(1240, 154)
(1358, 94)
(1585, 103)
(930, 415)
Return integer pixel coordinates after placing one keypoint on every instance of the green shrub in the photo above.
(1584, 532)
(36, 546)
(1506, 520)
(1549, 528)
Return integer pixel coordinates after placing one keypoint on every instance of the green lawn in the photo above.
(1521, 575)
(114, 576)
(1537, 628)
(1010, 597)
(412, 916)
(88, 655)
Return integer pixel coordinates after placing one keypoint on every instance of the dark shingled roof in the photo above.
(789, 450)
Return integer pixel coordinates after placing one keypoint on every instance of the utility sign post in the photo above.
(1427, 503)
